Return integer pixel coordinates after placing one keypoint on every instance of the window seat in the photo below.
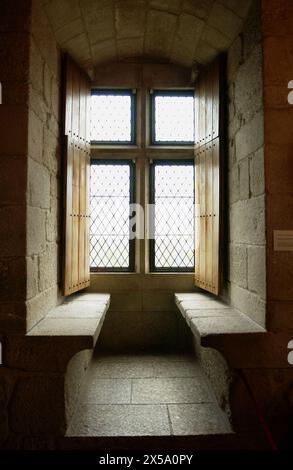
(54, 356)
(81, 316)
(218, 325)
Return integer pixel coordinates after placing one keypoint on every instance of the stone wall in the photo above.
(14, 36)
(29, 165)
(246, 272)
(44, 167)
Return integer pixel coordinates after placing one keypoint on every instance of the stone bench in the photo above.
(225, 339)
(216, 324)
(50, 362)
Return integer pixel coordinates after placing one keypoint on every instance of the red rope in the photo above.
(259, 413)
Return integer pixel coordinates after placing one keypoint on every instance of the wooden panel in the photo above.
(208, 179)
(209, 106)
(77, 171)
(196, 119)
(68, 101)
(209, 215)
(215, 70)
(201, 109)
(202, 202)
(197, 216)
(216, 281)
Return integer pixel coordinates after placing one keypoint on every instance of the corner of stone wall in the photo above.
(245, 279)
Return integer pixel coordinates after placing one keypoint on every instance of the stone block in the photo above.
(252, 32)
(55, 99)
(130, 47)
(105, 50)
(187, 37)
(43, 37)
(244, 179)
(205, 53)
(36, 230)
(61, 13)
(171, 390)
(249, 303)
(257, 176)
(250, 137)
(55, 188)
(120, 420)
(53, 222)
(12, 235)
(247, 221)
(38, 306)
(36, 67)
(198, 419)
(234, 185)
(106, 282)
(234, 59)
(248, 85)
(257, 270)
(13, 169)
(153, 301)
(128, 301)
(169, 5)
(13, 125)
(51, 151)
(239, 7)
(37, 104)
(74, 380)
(238, 265)
(223, 19)
(215, 38)
(100, 23)
(32, 270)
(129, 19)
(47, 85)
(69, 31)
(38, 185)
(35, 137)
(200, 9)
(160, 29)
(48, 267)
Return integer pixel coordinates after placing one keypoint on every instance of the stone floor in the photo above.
(146, 395)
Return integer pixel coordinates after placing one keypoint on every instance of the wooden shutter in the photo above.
(76, 272)
(208, 163)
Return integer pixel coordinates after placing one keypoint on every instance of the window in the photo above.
(172, 215)
(112, 192)
(179, 239)
(113, 117)
(172, 117)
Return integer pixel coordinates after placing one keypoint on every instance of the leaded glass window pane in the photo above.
(173, 197)
(111, 189)
(112, 116)
(173, 117)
